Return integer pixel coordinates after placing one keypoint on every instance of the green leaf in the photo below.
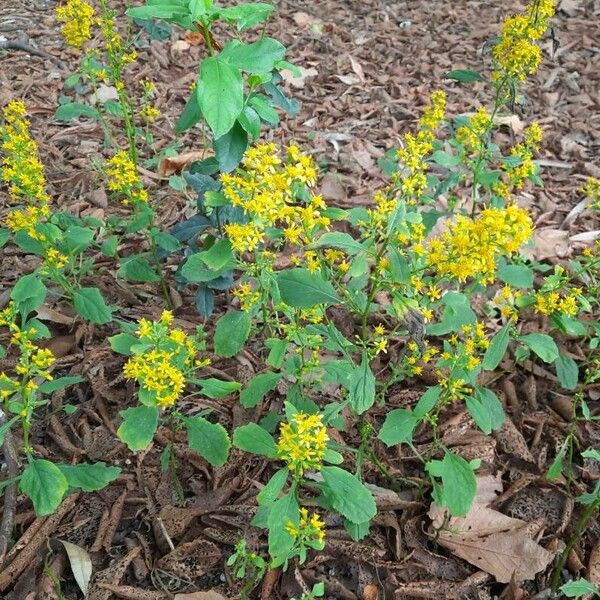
(73, 110)
(4, 236)
(444, 159)
(109, 246)
(190, 115)
(77, 238)
(486, 410)
(138, 427)
(229, 148)
(283, 510)
(216, 388)
(258, 57)
(348, 495)
(542, 344)
(427, 401)
(122, 342)
(338, 239)
(29, 293)
(89, 477)
(300, 288)
(497, 348)
(557, 464)
(567, 371)
(578, 588)
(261, 104)
(361, 388)
(210, 440)
(169, 12)
(277, 349)
(269, 493)
(221, 94)
(248, 14)
(458, 483)
(250, 121)
(218, 256)
(90, 305)
(253, 438)
(44, 483)
(516, 275)
(231, 333)
(257, 388)
(137, 268)
(398, 427)
(48, 387)
(464, 76)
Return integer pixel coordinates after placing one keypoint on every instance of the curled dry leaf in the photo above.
(200, 596)
(497, 544)
(300, 81)
(548, 243)
(593, 570)
(81, 565)
(169, 165)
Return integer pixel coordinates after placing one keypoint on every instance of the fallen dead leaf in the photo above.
(349, 79)
(81, 565)
(548, 243)
(593, 569)
(169, 165)
(513, 121)
(200, 596)
(497, 544)
(299, 82)
(332, 188)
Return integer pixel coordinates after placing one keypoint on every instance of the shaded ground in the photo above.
(370, 67)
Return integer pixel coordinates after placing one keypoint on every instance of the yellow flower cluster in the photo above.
(123, 179)
(302, 443)
(506, 300)
(548, 303)
(414, 356)
(34, 362)
(518, 173)
(149, 113)
(246, 295)
(416, 148)
(78, 17)
(592, 192)
(310, 529)
(472, 134)
(469, 247)
(518, 54)
(161, 368)
(23, 171)
(266, 187)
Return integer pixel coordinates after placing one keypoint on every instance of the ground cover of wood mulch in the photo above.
(368, 67)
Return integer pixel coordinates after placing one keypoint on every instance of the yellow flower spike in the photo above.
(302, 443)
(78, 17)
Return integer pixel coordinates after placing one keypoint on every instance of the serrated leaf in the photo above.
(398, 427)
(210, 440)
(89, 477)
(253, 438)
(258, 387)
(361, 388)
(300, 288)
(44, 483)
(138, 427)
(348, 495)
(542, 345)
(90, 305)
(231, 333)
(497, 348)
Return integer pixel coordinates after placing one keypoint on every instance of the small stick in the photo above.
(10, 496)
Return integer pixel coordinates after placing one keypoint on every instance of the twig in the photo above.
(10, 496)
(23, 46)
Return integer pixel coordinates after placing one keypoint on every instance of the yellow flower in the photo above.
(591, 190)
(78, 17)
(310, 529)
(123, 179)
(247, 297)
(303, 442)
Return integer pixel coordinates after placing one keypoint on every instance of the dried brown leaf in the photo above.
(169, 165)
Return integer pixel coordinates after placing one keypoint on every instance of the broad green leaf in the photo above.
(444, 159)
(44, 483)
(283, 511)
(230, 147)
(542, 344)
(257, 388)
(486, 409)
(257, 57)
(269, 493)
(90, 305)
(231, 333)
(221, 94)
(361, 389)
(497, 348)
(122, 342)
(427, 401)
(300, 288)
(348, 495)
(338, 239)
(138, 427)
(567, 371)
(137, 268)
(29, 293)
(248, 14)
(398, 427)
(250, 121)
(173, 12)
(73, 110)
(261, 104)
(77, 238)
(218, 256)
(253, 438)
(277, 349)
(48, 387)
(578, 588)
(89, 477)
(464, 75)
(216, 388)
(458, 483)
(516, 275)
(190, 115)
(210, 440)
